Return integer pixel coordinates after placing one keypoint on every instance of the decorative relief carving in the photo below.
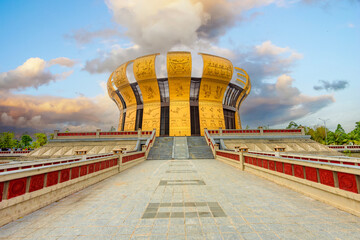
(1, 190)
(74, 172)
(298, 171)
(311, 174)
(326, 177)
(119, 76)
(180, 118)
(207, 90)
(149, 91)
(52, 178)
(179, 64)
(64, 175)
(36, 182)
(17, 187)
(144, 67)
(217, 67)
(347, 182)
(218, 93)
(179, 91)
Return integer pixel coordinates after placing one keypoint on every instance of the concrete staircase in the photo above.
(162, 149)
(198, 148)
(166, 148)
(180, 150)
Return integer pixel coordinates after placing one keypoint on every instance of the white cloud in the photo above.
(34, 72)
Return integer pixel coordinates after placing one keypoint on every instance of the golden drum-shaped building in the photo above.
(179, 105)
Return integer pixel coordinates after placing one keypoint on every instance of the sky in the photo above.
(302, 56)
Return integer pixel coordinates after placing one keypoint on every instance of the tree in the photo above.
(26, 140)
(317, 133)
(112, 129)
(7, 140)
(292, 125)
(41, 140)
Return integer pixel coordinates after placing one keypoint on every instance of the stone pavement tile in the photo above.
(268, 235)
(125, 230)
(193, 230)
(231, 236)
(260, 227)
(176, 229)
(140, 237)
(250, 236)
(194, 237)
(117, 237)
(244, 228)
(213, 236)
(143, 230)
(227, 229)
(253, 219)
(210, 228)
(176, 237)
(158, 237)
(160, 229)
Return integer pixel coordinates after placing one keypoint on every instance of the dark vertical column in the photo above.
(195, 123)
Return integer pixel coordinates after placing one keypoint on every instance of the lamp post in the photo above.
(324, 120)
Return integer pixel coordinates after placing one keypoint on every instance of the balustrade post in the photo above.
(98, 133)
(241, 157)
(220, 131)
(261, 131)
(139, 133)
(56, 134)
(302, 130)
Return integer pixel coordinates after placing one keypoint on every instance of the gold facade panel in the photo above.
(151, 117)
(211, 116)
(144, 68)
(217, 73)
(145, 75)
(130, 118)
(217, 68)
(179, 114)
(179, 80)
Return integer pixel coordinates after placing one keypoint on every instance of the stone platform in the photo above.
(185, 199)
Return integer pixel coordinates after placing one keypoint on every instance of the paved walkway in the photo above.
(197, 199)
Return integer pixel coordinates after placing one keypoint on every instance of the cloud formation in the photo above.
(164, 25)
(34, 72)
(46, 113)
(280, 103)
(331, 86)
(83, 36)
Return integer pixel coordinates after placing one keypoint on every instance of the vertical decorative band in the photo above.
(122, 83)
(145, 75)
(179, 79)
(217, 73)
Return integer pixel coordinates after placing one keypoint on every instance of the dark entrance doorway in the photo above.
(229, 117)
(195, 123)
(164, 121)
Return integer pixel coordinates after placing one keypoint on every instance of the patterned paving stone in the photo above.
(231, 205)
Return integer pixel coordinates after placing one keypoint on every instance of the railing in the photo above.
(210, 141)
(19, 182)
(21, 152)
(25, 187)
(342, 148)
(329, 174)
(25, 165)
(99, 134)
(314, 158)
(334, 180)
(256, 132)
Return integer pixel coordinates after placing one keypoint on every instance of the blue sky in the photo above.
(302, 56)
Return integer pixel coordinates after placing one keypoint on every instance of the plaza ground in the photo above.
(185, 199)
